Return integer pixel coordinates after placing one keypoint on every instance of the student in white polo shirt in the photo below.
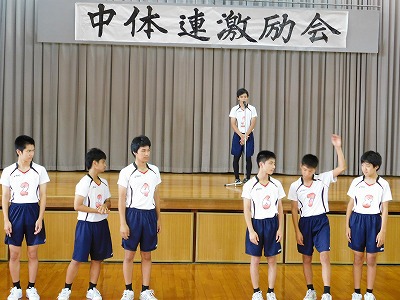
(263, 213)
(24, 203)
(366, 220)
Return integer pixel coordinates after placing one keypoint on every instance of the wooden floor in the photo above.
(202, 281)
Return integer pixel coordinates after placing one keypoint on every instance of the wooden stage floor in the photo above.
(200, 192)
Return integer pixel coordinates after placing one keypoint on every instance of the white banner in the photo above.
(216, 27)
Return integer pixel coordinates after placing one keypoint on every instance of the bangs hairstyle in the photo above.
(241, 92)
(372, 157)
(265, 155)
(92, 155)
(21, 142)
(310, 160)
(139, 141)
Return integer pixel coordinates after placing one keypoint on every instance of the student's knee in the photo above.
(146, 256)
(271, 260)
(307, 259)
(324, 257)
(129, 256)
(358, 258)
(371, 259)
(15, 255)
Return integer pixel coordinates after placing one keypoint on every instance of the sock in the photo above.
(357, 291)
(68, 286)
(17, 284)
(270, 290)
(369, 291)
(256, 290)
(145, 287)
(327, 289)
(92, 285)
(128, 287)
(310, 287)
(31, 285)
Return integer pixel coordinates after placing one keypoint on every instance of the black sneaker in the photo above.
(237, 181)
(245, 180)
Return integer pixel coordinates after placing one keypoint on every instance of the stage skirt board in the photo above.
(202, 220)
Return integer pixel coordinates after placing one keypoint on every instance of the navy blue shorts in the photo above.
(23, 218)
(316, 232)
(266, 230)
(143, 230)
(364, 229)
(237, 149)
(94, 239)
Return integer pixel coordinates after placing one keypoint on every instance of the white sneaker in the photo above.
(326, 297)
(311, 295)
(93, 294)
(257, 296)
(147, 295)
(64, 295)
(32, 294)
(356, 296)
(271, 296)
(369, 296)
(15, 294)
(128, 295)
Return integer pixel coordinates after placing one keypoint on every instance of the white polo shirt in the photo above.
(368, 198)
(243, 117)
(24, 186)
(140, 187)
(264, 198)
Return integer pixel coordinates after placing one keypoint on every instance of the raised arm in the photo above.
(337, 143)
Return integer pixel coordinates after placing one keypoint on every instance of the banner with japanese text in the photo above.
(204, 26)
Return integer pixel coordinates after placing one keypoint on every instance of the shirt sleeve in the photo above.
(281, 191)
(246, 191)
(43, 177)
(351, 191)
(5, 178)
(122, 179)
(82, 188)
(292, 195)
(387, 193)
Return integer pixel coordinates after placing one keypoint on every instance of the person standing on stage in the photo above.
(139, 212)
(243, 120)
(24, 202)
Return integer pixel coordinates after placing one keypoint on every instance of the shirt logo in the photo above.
(310, 197)
(24, 189)
(145, 190)
(266, 204)
(368, 201)
(99, 200)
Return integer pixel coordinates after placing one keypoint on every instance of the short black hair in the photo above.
(93, 154)
(22, 141)
(372, 157)
(139, 141)
(241, 92)
(310, 160)
(264, 155)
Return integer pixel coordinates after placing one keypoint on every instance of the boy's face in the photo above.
(27, 154)
(307, 172)
(100, 165)
(243, 97)
(143, 154)
(368, 169)
(268, 167)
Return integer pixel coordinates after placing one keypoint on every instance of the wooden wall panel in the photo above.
(221, 238)
(175, 240)
(340, 252)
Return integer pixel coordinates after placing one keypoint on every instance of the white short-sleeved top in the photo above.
(368, 198)
(140, 187)
(95, 195)
(24, 186)
(243, 117)
(264, 198)
(312, 200)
